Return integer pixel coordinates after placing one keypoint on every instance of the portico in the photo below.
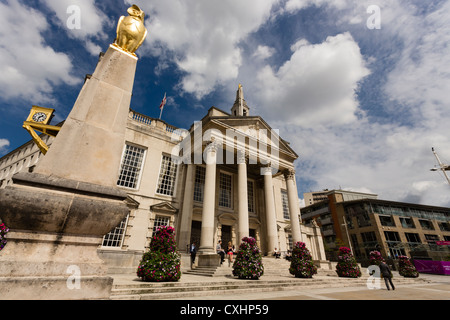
(236, 190)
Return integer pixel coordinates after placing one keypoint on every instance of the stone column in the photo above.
(243, 224)
(186, 213)
(271, 219)
(208, 213)
(319, 242)
(90, 144)
(59, 214)
(294, 208)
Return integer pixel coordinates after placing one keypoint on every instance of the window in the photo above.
(407, 222)
(114, 238)
(369, 237)
(412, 237)
(225, 190)
(284, 201)
(444, 226)
(431, 238)
(167, 176)
(387, 221)
(290, 242)
(160, 221)
(250, 195)
(131, 167)
(426, 224)
(199, 185)
(392, 236)
(363, 220)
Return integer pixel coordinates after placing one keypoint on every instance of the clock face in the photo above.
(39, 117)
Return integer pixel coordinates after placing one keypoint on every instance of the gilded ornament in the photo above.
(131, 31)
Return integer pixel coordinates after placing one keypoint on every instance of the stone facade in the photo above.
(247, 189)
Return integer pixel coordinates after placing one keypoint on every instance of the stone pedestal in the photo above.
(208, 260)
(56, 227)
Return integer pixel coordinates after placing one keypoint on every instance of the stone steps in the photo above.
(157, 291)
(210, 271)
(179, 290)
(276, 278)
(272, 267)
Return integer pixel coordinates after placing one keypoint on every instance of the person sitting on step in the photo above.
(220, 252)
(276, 253)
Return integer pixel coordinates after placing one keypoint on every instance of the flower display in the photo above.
(3, 231)
(302, 265)
(407, 268)
(248, 262)
(375, 258)
(162, 262)
(347, 266)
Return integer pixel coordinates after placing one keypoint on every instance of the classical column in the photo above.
(294, 208)
(186, 213)
(207, 232)
(243, 224)
(271, 219)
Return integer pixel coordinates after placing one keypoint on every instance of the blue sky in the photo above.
(361, 106)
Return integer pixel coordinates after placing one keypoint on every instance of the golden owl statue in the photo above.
(131, 31)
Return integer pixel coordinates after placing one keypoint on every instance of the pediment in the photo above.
(254, 127)
(165, 207)
(132, 203)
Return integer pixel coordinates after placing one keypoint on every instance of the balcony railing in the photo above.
(152, 122)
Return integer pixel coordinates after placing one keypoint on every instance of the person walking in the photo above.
(387, 275)
(230, 252)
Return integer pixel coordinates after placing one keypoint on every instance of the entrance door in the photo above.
(196, 232)
(226, 236)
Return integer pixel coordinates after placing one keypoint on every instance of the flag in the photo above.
(161, 106)
(163, 102)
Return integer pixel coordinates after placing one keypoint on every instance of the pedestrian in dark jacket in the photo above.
(387, 275)
(193, 251)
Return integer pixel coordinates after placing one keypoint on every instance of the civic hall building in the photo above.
(229, 176)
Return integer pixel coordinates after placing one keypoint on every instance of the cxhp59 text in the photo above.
(246, 309)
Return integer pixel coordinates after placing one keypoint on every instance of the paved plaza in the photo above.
(436, 288)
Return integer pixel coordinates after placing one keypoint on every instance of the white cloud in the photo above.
(263, 52)
(292, 6)
(203, 36)
(4, 144)
(314, 100)
(29, 67)
(311, 96)
(316, 86)
(92, 20)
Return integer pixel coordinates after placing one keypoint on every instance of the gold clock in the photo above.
(39, 119)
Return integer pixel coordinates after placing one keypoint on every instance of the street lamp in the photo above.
(348, 237)
(442, 167)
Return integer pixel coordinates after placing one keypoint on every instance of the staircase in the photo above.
(272, 267)
(221, 271)
(219, 281)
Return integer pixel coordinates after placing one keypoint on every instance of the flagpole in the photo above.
(163, 103)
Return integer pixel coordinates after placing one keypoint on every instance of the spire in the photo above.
(240, 93)
(240, 107)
